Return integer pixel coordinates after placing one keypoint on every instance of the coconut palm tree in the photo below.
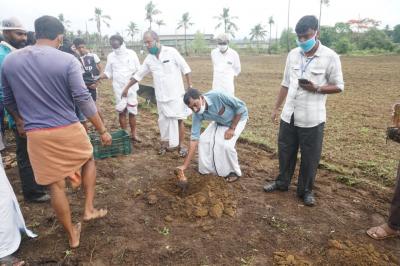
(160, 23)
(100, 18)
(226, 20)
(132, 30)
(258, 33)
(322, 2)
(185, 23)
(151, 11)
(270, 22)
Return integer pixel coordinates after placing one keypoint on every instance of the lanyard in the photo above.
(304, 67)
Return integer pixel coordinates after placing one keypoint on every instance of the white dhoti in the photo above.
(12, 222)
(168, 115)
(216, 154)
(131, 100)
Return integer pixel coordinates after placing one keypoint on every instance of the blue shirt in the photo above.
(222, 108)
(4, 51)
(43, 84)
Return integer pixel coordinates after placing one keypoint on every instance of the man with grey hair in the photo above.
(226, 64)
(167, 66)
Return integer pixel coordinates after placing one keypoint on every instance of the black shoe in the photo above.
(269, 187)
(41, 199)
(309, 199)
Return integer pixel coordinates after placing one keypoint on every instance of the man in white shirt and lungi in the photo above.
(226, 65)
(167, 66)
(122, 63)
(312, 71)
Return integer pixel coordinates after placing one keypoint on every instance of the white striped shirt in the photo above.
(321, 69)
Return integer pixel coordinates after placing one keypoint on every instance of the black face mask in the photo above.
(16, 44)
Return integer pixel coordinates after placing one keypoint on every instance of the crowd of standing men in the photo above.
(50, 94)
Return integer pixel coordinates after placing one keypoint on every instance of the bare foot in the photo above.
(95, 214)
(74, 241)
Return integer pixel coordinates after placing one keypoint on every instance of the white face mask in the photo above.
(202, 107)
(222, 48)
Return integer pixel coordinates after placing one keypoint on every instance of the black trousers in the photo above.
(394, 216)
(309, 140)
(30, 188)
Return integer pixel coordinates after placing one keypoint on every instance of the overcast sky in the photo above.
(249, 12)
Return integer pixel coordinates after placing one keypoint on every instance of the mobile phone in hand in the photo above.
(304, 81)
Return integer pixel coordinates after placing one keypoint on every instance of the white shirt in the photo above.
(121, 65)
(321, 69)
(226, 68)
(167, 72)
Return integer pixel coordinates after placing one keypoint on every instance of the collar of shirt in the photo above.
(6, 44)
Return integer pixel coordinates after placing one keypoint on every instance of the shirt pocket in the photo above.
(168, 66)
(295, 73)
(317, 76)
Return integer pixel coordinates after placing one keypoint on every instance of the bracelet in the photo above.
(101, 133)
(319, 89)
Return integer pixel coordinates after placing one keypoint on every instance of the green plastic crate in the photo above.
(121, 145)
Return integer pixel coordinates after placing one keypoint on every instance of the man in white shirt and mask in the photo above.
(167, 66)
(122, 63)
(226, 65)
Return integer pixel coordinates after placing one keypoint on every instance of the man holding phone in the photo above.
(312, 71)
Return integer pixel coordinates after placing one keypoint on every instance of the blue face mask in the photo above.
(306, 46)
(154, 49)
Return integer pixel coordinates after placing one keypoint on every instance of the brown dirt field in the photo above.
(215, 223)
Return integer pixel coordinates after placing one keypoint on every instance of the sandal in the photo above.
(162, 151)
(232, 177)
(382, 232)
(183, 152)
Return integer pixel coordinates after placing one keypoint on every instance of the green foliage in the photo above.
(343, 45)
(292, 39)
(396, 34)
(199, 44)
(375, 39)
(328, 35)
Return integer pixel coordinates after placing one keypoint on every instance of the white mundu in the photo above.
(216, 154)
(167, 72)
(122, 63)
(226, 68)
(12, 222)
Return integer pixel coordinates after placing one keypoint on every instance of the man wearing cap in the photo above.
(15, 38)
(167, 66)
(226, 64)
(122, 63)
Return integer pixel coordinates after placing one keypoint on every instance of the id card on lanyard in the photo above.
(304, 66)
